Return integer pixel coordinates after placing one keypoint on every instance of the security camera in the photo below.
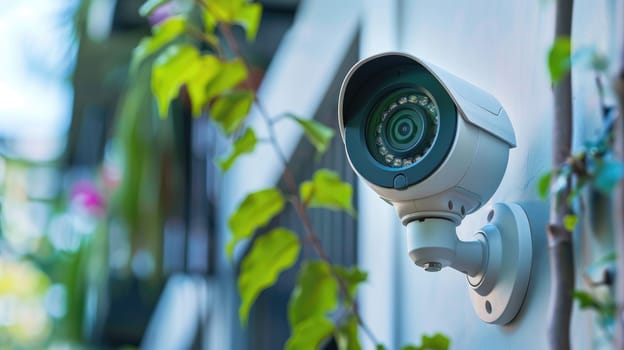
(436, 147)
(426, 141)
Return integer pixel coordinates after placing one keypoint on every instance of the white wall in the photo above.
(500, 46)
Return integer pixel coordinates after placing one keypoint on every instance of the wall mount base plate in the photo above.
(498, 293)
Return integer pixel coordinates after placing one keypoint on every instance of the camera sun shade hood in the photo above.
(476, 106)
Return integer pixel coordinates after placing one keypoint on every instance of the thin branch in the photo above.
(601, 95)
(201, 3)
(608, 112)
(279, 118)
(559, 238)
(311, 235)
(204, 37)
(291, 185)
(229, 37)
(288, 177)
(199, 35)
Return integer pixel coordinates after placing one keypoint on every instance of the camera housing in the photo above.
(427, 142)
(436, 147)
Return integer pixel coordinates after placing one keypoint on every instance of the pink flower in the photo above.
(86, 196)
(161, 13)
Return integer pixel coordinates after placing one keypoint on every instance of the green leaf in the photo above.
(170, 71)
(352, 277)
(310, 334)
(231, 73)
(210, 21)
(204, 71)
(315, 294)
(203, 76)
(326, 190)
(239, 12)
(245, 144)
(577, 186)
(150, 6)
(224, 10)
(347, 336)
(269, 256)
(163, 34)
(583, 55)
(380, 347)
(559, 62)
(586, 300)
(569, 222)
(589, 57)
(248, 17)
(543, 185)
(231, 109)
(318, 134)
(255, 211)
(436, 342)
(608, 174)
(611, 257)
(600, 62)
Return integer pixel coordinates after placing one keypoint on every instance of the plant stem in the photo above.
(199, 35)
(202, 4)
(618, 203)
(311, 235)
(560, 239)
(288, 177)
(291, 185)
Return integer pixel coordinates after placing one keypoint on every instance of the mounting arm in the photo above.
(498, 286)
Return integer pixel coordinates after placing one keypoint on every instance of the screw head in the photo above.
(490, 215)
(432, 266)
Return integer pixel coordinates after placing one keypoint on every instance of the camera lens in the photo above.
(402, 127)
(405, 129)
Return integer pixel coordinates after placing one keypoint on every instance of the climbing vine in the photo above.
(193, 53)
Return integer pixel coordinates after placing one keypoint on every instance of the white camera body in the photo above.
(472, 167)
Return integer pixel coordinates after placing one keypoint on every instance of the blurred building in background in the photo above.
(88, 256)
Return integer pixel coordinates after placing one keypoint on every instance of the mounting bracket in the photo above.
(497, 262)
